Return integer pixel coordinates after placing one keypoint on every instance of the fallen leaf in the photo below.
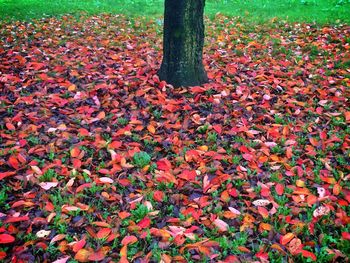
(5, 239)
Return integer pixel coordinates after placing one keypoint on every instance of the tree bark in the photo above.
(183, 41)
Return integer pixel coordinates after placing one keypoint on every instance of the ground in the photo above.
(101, 161)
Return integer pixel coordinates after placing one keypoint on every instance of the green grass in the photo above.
(320, 11)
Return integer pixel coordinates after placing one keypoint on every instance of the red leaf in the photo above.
(309, 254)
(10, 126)
(286, 238)
(217, 128)
(263, 212)
(314, 141)
(6, 174)
(198, 89)
(279, 189)
(97, 256)
(164, 165)
(16, 219)
(345, 235)
(83, 132)
(2, 255)
(158, 196)
(5, 239)
(14, 162)
(188, 175)
(144, 223)
(103, 233)
(79, 245)
(265, 191)
(231, 69)
(129, 240)
(247, 156)
(262, 255)
(76, 163)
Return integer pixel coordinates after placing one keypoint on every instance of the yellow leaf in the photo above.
(151, 129)
(300, 183)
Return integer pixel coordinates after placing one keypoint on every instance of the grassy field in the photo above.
(320, 11)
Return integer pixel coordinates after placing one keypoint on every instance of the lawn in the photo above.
(101, 161)
(321, 11)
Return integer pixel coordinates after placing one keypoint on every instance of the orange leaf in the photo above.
(347, 116)
(101, 115)
(265, 227)
(286, 238)
(10, 126)
(151, 129)
(129, 240)
(311, 199)
(75, 152)
(124, 252)
(83, 132)
(337, 189)
(13, 162)
(5, 239)
(123, 214)
(313, 141)
(243, 249)
(82, 255)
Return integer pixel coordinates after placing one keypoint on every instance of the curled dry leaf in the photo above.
(294, 246)
(56, 238)
(62, 260)
(48, 185)
(221, 225)
(106, 180)
(43, 233)
(321, 211)
(321, 192)
(261, 202)
(234, 210)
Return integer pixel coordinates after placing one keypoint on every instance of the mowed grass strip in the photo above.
(320, 11)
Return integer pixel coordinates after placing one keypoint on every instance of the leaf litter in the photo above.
(101, 161)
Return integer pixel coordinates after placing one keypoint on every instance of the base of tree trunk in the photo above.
(183, 43)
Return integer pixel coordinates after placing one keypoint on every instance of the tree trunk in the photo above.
(183, 43)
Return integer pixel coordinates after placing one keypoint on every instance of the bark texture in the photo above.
(183, 41)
